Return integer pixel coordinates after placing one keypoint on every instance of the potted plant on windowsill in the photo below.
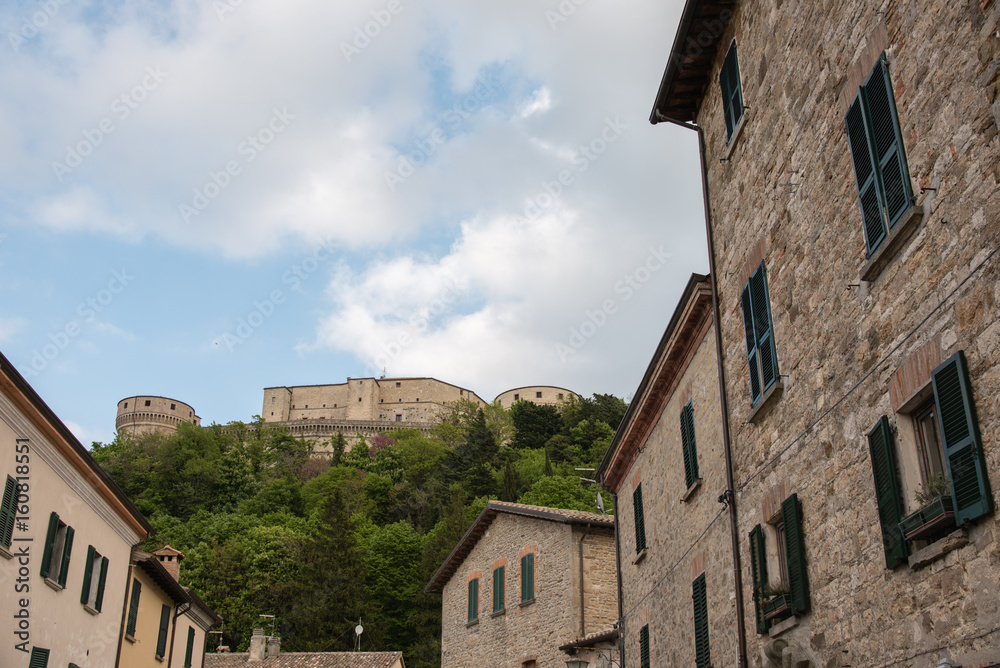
(936, 513)
(777, 603)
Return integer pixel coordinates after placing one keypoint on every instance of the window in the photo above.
(399, 384)
(173, 407)
(538, 395)
(787, 593)
(147, 402)
(528, 577)
(190, 648)
(762, 360)
(473, 600)
(703, 655)
(640, 520)
(880, 170)
(161, 639)
(560, 396)
(732, 92)
(39, 658)
(95, 575)
(687, 439)
(499, 594)
(8, 512)
(516, 397)
(58, 546)
(133, 609)
(644, 646)
(399, 417)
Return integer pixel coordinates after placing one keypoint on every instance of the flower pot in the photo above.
(933, 518)
(778, 606)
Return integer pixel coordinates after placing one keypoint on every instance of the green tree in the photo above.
(534, 425)
(564, 492)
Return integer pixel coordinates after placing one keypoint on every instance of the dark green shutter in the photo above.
(795, 553)
(99, 602)
(499, 580)
(748, 328)
(963, 447)
(732, 96)
(39, 658)
(888, 142)
(190, 648)
(133, 608)
(527, 577)
(762, 359)
(473, 599)
(8, 512)
(758, 569)
(865, 175)
(640, 520)
(690, 449)
(887, 492)
(161, 639)
(88, 574)
(50, 539)
(644, 646)
(67, 551)
(702, 649)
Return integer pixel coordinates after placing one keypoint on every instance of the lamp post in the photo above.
(577, 663)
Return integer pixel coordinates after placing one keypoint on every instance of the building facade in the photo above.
(144, 414)
(851, 160)
(66, 532)
(543, 395)
(522, 582)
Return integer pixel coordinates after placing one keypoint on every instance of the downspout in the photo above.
(583, 608)
(121, 629)
(621, 604)
(729, 496)
(173, 632)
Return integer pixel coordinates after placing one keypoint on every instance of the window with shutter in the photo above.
(161, 638)
(887, 492)
(758, 570)
(762, 359)
(688, 442)
(876, 143)
(961, 441)
(702, 649)
(39, 658)
(732, 91)
(640, 521)
(133, 608)
(644, 646)
(57, 551)
(95, 576)
(473, 600)
(527, 577)
(8, 512)
(499, 595)
(189, 651)
(795, 554)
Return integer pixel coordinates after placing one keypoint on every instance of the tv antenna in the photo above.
(358, 630)
(271, 617)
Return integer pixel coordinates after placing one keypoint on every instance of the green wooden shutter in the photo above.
(39, 658)
(762, 328)
(887, 139)
(473, 599)
(690, 449)
(748, 328)
(527, 577)
(99, 603)
(795, 553)
(732, 96)
(499, 582)
(865, 174)
(50, 539)
(190, 648)
(161, 639)
(67, 551)
(8, 512)
(88, 574)
(963, 447)
(702, 649)
(758, 570)
(644, 646)
(133, 608)
(887, 492)
(640, 520)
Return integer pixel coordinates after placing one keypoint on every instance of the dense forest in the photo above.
(323, 538)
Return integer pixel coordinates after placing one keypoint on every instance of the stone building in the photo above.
(146, 413)
(666, 468)
(266, 651)
(66, 532)
(851, 159)
(521, 582)
(543, 395)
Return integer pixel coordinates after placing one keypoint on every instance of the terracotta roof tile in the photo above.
(309, 660)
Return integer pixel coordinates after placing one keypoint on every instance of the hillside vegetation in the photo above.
(323, 540)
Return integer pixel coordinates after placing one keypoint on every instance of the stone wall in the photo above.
(543, 395)
(787, 195)
(146, 413)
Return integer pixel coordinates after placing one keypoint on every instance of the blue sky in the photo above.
(203, 198)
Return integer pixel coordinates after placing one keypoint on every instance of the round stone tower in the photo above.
(145, 413)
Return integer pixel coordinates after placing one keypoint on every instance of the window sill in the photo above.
(474, 622)
(499, 613)
(158, 658)
(91, 610)
(695, 486)
(896, 240)
(783, 626)
(525, 604)
(4, 553)
(53, 584)
(727, 152)
(764, 406)
(130, 638)
(938, 549)
(639, 556)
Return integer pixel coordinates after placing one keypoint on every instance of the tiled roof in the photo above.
(485, 519)
(309, 660)
(592, 639)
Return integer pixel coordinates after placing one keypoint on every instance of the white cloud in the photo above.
(10, 326)
(539, 103)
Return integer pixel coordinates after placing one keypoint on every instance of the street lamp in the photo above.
(577, 663)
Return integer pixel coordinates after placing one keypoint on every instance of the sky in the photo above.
(203, 198)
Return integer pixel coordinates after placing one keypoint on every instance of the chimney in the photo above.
(258, 643)
(273, 646)
(170, 560)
